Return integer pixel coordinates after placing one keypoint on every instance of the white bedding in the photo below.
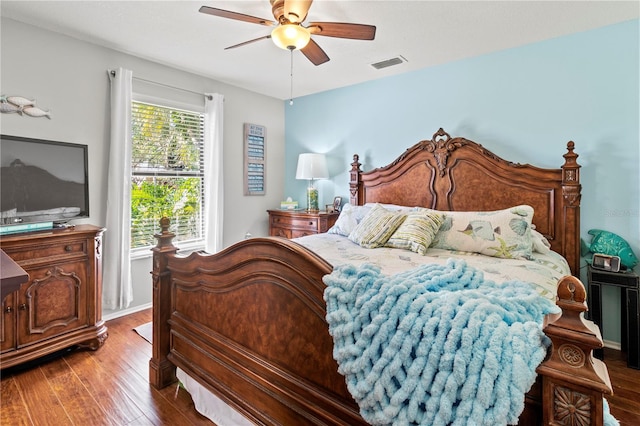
(543, 272)
(209, 405)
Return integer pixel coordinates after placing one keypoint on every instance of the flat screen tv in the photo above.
(42, 181)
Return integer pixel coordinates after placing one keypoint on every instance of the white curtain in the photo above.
(213, 182)
(117, 290)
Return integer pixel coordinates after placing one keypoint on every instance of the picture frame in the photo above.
(337, 204)
(255, 144)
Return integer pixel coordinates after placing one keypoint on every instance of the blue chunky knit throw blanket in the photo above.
(436, 345)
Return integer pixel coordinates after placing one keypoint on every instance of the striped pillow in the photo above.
(416, 232)
(376, 227)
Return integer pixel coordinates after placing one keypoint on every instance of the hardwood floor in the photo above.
(110, 387)
(107, 387)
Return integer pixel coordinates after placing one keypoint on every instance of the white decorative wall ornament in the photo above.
(20, 105)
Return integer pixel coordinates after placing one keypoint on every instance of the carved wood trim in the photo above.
(355, 185)
(435, 174)
(161, 371)
(441, 146)
(571, 407)
(573, 381)
(58, 274)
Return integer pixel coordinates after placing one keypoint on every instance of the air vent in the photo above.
(389, 62)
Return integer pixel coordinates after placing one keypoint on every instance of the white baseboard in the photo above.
(612, 345)
(123, 312)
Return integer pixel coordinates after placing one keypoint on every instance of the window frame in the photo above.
(186, 246)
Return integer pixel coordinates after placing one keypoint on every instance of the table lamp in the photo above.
(310, 167)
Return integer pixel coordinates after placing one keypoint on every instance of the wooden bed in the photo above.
(249, 322)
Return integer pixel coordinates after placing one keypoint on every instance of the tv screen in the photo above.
(42, 181)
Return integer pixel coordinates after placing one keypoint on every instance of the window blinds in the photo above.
(167, 171)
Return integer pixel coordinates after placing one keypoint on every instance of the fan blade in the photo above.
(314, 53)
(343, 30)
(247, 42)
(296, 10)
(237, 16)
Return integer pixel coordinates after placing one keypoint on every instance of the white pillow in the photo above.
(350, 217)
(391, 207)
(540, 243)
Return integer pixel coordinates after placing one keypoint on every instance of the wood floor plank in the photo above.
(112, 399)
(13, 412)
(141, 421)
(80, 405)
(111, 386)
(40, 400)
(181, 399)
(153, 404)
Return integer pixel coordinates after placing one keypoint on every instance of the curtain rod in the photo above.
(113, 74)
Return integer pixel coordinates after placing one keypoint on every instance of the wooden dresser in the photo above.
(298, 223)
(61, 303)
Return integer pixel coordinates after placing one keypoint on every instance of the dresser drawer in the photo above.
(30, 254)
(297, 233)
(280, 232)
(295, 222)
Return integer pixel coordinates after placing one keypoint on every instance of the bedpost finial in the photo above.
(571, 294)
(164, 224)
(165, 236)
(570, 158)
(356, 163)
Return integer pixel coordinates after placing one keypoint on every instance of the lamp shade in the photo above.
(312, 166)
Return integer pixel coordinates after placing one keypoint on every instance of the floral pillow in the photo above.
(503, 233)
(377, 227)
(416, 232)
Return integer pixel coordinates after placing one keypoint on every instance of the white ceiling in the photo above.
(425, 33)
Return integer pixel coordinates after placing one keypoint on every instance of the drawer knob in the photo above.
(68, 248)
(8, 309)
(23, 307)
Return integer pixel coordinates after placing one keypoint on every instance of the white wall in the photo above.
(69, 77)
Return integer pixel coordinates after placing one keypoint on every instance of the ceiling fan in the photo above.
(289, 33)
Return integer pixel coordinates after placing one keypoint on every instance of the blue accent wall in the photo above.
(524, 104)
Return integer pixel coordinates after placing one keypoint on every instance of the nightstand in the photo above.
(630, 308)
(298, 223)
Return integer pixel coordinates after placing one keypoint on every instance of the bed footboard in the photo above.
(573, 381)
(249, 324)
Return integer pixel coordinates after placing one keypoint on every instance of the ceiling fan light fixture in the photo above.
(290, 36)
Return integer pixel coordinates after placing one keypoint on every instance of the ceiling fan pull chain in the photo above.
(291, 74)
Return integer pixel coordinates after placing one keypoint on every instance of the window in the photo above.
(167, 173)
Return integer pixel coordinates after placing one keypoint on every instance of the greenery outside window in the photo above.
(167, 173)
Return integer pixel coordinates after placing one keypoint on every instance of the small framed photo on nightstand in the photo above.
(337, 204)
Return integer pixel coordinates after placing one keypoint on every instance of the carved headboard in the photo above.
(456, 174)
